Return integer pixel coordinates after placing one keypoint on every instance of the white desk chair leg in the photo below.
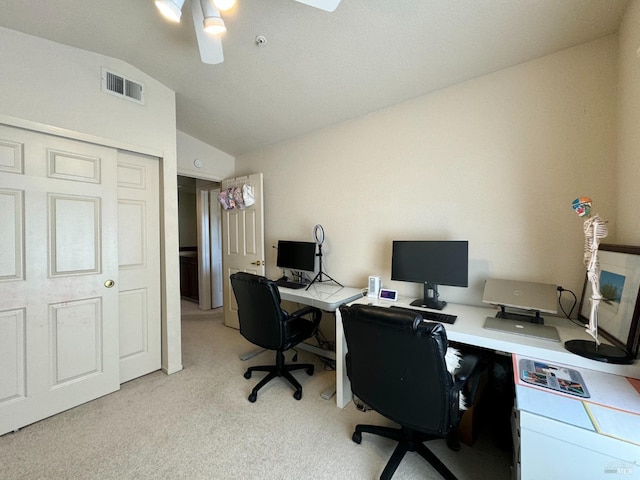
(329, 392)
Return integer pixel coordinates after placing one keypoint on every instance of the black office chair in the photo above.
(264, 323)
(396, 365)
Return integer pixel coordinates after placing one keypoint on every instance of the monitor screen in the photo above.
(296, 255)
(432, 263)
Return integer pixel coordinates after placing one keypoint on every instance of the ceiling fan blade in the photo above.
(326, 5)
(210, 46)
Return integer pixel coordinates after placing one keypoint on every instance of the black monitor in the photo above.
(432, 263)
(299, 256)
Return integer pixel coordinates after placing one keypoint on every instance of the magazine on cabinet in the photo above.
(558, 378)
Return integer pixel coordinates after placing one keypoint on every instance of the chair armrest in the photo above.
(316, 314)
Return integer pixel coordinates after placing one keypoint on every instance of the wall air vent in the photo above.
(120, 86)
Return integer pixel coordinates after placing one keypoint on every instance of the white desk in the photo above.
(468, 329)
(325, 296)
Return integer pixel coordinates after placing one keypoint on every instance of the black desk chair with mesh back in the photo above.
(396, 365)
(264, 323)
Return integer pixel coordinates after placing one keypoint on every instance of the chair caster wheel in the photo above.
(310, 370)
(247, 374)
(297, 395)
(356, 437)
(253, 397)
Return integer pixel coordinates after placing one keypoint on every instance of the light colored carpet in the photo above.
(198, 424)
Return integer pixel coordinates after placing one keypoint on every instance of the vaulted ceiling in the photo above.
(317, 68)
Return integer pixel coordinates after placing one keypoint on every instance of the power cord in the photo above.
(325, 344)
(575, 302)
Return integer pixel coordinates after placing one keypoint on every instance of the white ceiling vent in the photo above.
(118, 85)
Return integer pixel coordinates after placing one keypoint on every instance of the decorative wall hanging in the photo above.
(239, 197)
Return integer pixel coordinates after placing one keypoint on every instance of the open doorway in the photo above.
(200, 242)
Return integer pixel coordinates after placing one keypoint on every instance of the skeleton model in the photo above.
(595, 228)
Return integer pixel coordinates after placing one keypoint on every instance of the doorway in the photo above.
(200, 242)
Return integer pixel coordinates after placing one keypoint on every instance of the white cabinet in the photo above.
(568, 437)
(551, 449)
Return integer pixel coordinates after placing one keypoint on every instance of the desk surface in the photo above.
(325, 296)
(468, 329)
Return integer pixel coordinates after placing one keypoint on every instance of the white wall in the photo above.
(628, 167)
(496, 160)
(215, 164)
(50, 86)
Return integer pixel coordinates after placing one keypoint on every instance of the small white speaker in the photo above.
(374, 286)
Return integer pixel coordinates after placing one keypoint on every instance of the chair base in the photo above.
(408, 441)
(280, 369)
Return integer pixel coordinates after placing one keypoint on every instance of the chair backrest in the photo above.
(396, 365)
(262, 320)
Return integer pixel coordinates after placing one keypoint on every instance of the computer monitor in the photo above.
(432, 263)
(299, 256)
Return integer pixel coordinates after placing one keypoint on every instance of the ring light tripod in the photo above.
(318, 234)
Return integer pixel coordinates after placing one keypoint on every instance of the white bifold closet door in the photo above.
(59, 277)
(139, 265)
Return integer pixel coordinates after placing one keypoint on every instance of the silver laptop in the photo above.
(542, 297)
(506, 325)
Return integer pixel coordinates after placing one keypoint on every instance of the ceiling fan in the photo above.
(209, 25)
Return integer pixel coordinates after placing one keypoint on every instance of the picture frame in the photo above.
(619, 313)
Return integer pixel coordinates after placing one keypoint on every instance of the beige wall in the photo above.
(496, 160)
(46, 85)
(628, 167)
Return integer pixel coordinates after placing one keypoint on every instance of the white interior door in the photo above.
(242, 242)
(209, 245)
(215, 237)
(139, 265)
(58, 264)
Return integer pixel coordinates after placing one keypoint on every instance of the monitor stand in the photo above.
(429, 303)
(430, 298)
(520, 317)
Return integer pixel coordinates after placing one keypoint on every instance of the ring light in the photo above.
(318, 234)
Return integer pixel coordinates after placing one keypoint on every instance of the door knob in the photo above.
(109, 283)
(258, 263)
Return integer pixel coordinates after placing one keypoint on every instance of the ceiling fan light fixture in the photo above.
(213, 22)
(214, 25)
(171, 9)
(224, 5)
